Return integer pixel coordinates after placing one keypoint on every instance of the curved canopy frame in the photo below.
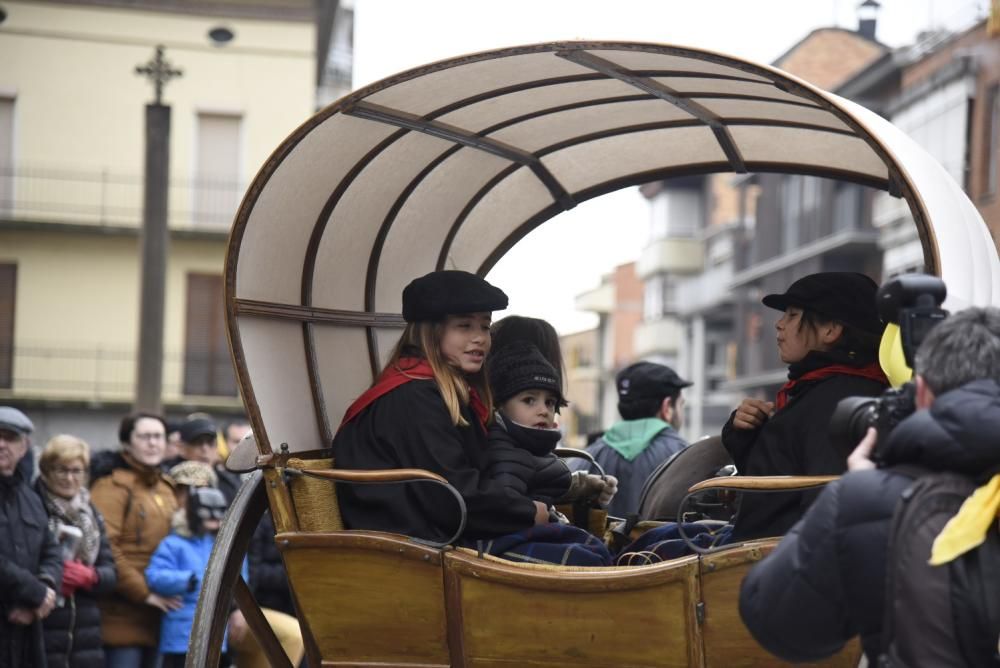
(450, 164)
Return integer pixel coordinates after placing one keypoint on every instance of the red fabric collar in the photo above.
(872, 371)
(409, 368)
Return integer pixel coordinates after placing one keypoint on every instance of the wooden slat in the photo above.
(317, 314)
(764, 482)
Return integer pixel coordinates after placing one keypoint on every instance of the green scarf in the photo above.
(631, 437)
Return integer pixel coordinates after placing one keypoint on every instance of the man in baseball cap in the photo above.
(651, 406)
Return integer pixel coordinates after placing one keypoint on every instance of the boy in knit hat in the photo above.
(527, 395)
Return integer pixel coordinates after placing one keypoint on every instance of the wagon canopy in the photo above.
(450, 164)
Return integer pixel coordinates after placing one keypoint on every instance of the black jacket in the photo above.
(825, 583)
(794, 441)
(30, 561)
(268, 580)
(73, 630)
(410, 428)
(526, 465)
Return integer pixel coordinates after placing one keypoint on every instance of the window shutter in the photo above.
(8, 291)
(208, 369)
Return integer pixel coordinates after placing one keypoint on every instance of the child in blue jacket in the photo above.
(181, 559)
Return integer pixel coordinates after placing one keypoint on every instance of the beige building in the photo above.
(71, 189)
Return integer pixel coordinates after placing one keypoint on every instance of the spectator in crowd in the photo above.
(200, 443)
(137, 502)
(173, 449)
(30, 563)
(179, 563)
(828, 335)
(651, 405)
(73, 630)
(826, 582)
(234, 432)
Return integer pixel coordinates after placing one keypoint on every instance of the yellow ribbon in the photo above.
(967, 529)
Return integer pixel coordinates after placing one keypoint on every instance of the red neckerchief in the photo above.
(409, 368)
(872, 371)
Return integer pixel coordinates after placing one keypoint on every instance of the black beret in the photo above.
(450, 292)
(845, 296)
(520, 366)
(647, 380)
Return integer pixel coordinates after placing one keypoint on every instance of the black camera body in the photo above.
(853, 415)
(912, 301)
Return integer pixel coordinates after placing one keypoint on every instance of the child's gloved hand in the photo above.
(609, 491)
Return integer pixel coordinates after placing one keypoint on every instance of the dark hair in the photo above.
(961, 349)
(853, 342)
(127, 425)
(235, 422)
(646, 407)
(535, 331)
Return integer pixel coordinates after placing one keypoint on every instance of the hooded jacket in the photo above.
(630, 451)
(137, 503)
(825, 582)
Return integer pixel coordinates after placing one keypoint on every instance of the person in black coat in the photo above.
(73, 630)
(430, 409)
(30, 563)
(828, 335)
(826, 581)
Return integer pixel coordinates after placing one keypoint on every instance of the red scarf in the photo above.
(872, 371)
(409, 368)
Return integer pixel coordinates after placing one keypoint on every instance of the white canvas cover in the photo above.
(450, 164)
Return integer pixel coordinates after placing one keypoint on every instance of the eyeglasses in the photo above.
(66, 473)
(156, 436)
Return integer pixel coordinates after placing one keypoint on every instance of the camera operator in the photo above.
(825, 582)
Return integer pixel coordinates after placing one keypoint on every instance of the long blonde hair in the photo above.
(423, 339)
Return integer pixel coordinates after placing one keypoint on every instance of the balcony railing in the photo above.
(101, 373)
(105, 197)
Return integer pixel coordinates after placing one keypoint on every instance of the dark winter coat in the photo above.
(30, 561)
(73, 630)
(661, 445)
(410, 427)
(268, 580)
(794, 441)
(525, 466)
(825, 583)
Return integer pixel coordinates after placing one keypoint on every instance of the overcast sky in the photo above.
(568, 255)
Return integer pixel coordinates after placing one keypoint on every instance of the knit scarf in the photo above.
(75, 512)
(817, 366)
(968, 528)
(409, 368)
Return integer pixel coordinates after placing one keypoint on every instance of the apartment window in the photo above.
(992, 139)
(847, 211)
(217, 188)
(8, 290)
(208, 369)
(6, 155)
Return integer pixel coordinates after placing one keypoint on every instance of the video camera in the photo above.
(913, 302)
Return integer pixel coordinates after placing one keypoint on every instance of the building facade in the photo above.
(71, 190)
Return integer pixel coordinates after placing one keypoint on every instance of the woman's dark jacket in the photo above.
(268, 580)
(410, 428)
(30, 561)
(825, 582)
(526, 465)
(794, 441)
(73, 630)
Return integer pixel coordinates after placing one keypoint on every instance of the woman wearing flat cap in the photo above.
(828, 335)
(430, 409)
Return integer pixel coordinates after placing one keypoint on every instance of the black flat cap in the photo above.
(839, 295)
(647, 380)
(194, 429)
(450, 292)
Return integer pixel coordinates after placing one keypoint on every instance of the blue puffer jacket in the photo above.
(169, 573)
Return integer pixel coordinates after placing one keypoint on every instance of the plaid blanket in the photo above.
(665, 542)
(551, 543)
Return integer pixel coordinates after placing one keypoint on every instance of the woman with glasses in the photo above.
(137, 501)
(73, 629)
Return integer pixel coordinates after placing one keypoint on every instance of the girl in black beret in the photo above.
(828, 335)
(430, 409)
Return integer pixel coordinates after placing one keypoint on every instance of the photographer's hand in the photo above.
(861, 458)
(752, 413)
